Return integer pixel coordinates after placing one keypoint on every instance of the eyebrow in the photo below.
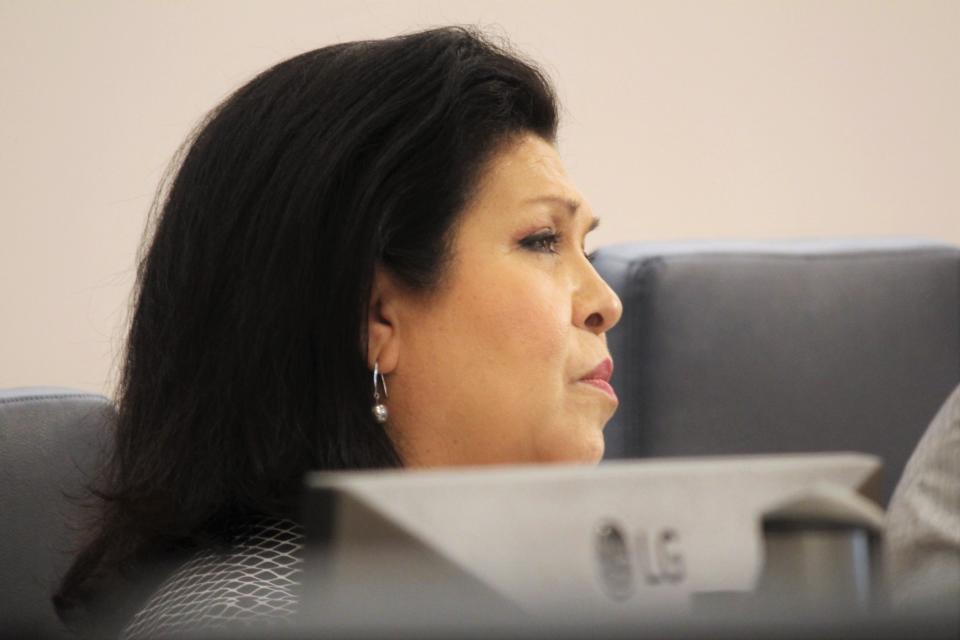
(569, 204)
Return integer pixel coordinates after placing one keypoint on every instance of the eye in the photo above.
(544, 242)
(590, 256)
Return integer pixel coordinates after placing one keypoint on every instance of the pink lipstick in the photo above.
(599, 377)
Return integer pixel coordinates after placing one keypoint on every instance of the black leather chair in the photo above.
(50, 442)
(729, 347)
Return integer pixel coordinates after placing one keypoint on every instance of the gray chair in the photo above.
(729, 348)
(50, 442)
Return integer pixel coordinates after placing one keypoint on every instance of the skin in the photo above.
(487, 368)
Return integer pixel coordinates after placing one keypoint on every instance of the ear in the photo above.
(383, 340)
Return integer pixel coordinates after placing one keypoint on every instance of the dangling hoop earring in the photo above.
(380, 412)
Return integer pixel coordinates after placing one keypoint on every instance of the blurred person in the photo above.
(370, 256)
(922, 542)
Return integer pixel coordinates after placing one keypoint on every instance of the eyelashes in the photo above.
(543, 241)
(549, 242)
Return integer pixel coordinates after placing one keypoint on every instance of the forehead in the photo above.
(527, 167)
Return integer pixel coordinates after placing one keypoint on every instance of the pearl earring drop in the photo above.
(379, 410)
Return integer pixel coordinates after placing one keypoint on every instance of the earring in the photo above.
(380, 412)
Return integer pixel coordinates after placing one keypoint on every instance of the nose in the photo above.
(596, 307)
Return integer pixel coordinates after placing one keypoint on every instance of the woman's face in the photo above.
(493, 366)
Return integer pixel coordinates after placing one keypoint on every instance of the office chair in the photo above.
(797, 346)
(50, 442)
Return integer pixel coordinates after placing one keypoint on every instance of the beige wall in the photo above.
(682, 119)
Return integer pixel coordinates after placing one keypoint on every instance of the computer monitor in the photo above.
(621, 543)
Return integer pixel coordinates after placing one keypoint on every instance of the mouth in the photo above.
(599, 378)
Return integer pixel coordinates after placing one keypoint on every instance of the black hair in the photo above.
(245, 364)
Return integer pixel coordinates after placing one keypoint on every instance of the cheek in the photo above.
(492, 360)
(495, 342)
(525, 325)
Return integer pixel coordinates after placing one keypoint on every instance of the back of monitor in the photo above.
(622, 542)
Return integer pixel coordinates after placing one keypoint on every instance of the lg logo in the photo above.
(649, 555)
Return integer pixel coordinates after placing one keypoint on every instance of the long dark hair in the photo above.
(245, 364)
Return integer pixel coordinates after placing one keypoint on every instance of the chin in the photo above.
(595, 454)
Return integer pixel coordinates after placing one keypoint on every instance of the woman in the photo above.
(370, 257)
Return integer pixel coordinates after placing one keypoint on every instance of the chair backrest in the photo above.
(50, 442)
(782, 346)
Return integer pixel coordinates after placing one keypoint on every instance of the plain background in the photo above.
(713, 119)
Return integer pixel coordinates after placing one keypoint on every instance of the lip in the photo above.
(599, 377)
